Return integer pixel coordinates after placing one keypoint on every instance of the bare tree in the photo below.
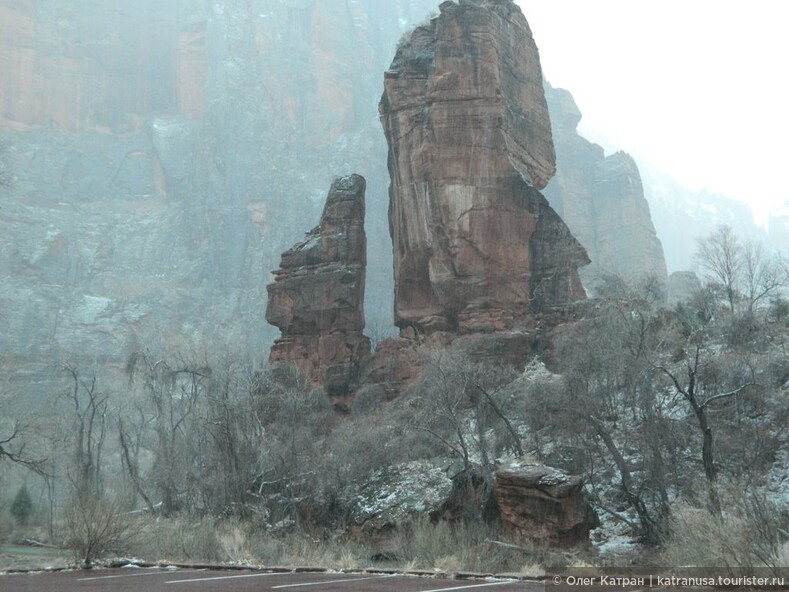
(13, 447)
(130, 438)
(232, 439)
(291, 418)
(763, 276)
(173, 393)
(608, 404)
(702, 399)
(97, 524)
(742, 270)
(90, 427)
(721, 257)
(461, 404)
(19, 441)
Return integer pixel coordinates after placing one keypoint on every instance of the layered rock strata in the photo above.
(317, 298)
(476, 246)
(543, 504)
(601, 198)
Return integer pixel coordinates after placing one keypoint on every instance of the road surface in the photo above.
(197, 580)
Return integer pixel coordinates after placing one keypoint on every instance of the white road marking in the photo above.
(158, 572)
(330, 582)
(211, 579)
(467, 587)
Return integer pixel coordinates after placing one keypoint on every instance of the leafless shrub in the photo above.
(460, 402)
(97, 525)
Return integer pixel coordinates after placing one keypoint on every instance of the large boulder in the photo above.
(476, 246)
(543, 504)
(397, 494)
(317, 298)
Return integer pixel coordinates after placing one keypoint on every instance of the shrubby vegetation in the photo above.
(666, 412)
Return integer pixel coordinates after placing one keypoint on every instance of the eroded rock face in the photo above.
(476, 246)
(601, 198)
(317, 298)
(543, 504)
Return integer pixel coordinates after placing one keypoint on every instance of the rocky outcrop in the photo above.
(476, 246)
(543, 504)
(601, 199)
(317, 298)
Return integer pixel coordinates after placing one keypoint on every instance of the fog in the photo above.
(157, 158)
(691, 89)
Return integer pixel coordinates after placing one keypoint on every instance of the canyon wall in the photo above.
(601, 198)
(160, 156)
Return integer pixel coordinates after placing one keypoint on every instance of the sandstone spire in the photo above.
(317, 298)
(476, 246)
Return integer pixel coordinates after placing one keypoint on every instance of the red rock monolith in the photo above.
(317, 298)
(477, 248)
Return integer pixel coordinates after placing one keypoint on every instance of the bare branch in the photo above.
(721, 396)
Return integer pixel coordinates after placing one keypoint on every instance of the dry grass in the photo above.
(448, 564)
(232, 541)
(451, 548)
(348, 560)
(750, 534)
(782, 555)
(179, 539)
(531, 570)
(417, 545)
(235, 543)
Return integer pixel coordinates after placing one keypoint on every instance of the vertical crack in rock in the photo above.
(477, 248)
(317, 298)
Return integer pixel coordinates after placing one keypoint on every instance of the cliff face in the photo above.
(476, 246)
(64, 68)
(601, 199)
(161, 155)
(317, 298)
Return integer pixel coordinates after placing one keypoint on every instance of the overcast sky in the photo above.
(698, 88)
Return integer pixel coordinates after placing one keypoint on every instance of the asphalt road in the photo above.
(194, 580)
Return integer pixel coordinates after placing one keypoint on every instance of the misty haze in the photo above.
(340, 285)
